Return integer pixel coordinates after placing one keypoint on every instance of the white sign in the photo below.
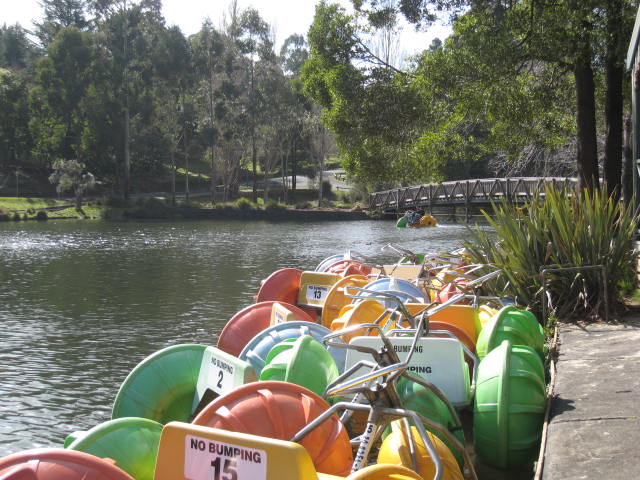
(316, 294)
(221, 374)
(278, 317)
(438, 360)
(206, 459)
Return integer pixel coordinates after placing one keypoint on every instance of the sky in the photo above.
(287, 16)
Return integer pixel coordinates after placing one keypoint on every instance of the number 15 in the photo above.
(228, 472)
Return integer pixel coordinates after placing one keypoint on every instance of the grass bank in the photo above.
(30, 208)
(158, 208)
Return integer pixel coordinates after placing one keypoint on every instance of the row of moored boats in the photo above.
(351, 370)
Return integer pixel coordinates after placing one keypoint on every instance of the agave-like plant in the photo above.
(559, 231)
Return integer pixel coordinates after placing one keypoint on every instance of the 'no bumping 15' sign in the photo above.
(207, 459)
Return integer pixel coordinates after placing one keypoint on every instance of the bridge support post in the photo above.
(467, 195)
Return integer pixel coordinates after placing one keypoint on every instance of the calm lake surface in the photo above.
(83, 302)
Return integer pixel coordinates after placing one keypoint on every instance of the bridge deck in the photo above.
(466, 193)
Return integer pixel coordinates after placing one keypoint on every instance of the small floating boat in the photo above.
(416, 220)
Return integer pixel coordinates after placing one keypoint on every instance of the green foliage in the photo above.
(243, 203)
(274, 205)
(15, 138)
(149, 208)
(559, 231)
(42, 215)
(71, 175)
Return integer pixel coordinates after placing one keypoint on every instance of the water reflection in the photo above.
(82, 303)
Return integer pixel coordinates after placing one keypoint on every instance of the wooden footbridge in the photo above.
(466, 193)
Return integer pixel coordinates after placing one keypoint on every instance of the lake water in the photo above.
(82, 302)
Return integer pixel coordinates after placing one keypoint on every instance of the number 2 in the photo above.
(220, 377)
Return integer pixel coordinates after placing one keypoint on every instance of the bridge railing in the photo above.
(467, 192)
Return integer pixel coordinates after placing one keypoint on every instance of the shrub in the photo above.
(4, 217)
(16, 217)
(117, 202)
(244, 203)
(273, 205)
(327, 193)
(149, 208)
(560, 231)
(42, 215)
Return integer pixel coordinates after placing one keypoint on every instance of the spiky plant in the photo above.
(558, 232)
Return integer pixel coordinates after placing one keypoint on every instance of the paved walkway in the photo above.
(594, 426)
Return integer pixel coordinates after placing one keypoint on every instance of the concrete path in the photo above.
(594, 426)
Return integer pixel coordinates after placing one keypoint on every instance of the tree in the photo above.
(64, 77)
(372, 107)
(59, 14)
(252, 35)
(15, 138)
(171, 60)
(618, 24)
(293, 53)
(128, 30)
(506, 63)
(208, 50)
(72, 175)
(16, 50)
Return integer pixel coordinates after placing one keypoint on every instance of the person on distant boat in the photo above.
(413, 217)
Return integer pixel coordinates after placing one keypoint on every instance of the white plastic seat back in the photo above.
(220, 373)
(438, 360)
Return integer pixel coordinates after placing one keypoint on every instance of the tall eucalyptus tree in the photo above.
(254, 42)
(59, 14)
(208, 50)
(127, 30)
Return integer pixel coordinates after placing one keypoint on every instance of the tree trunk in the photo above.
(127, 154)
(613, 104)
(284, 168)
(254, 156)
(321, 165)
(587, 159)
(294, 165)
(213, 176)
(211, 120)
(173, 178)
(627, 169)
(186, 164)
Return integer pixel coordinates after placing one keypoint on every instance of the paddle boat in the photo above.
(327, 376)
(416, 219)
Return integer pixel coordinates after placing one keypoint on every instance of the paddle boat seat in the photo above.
(314, 288)
(193, 452)
(438, 360)
(220, 373)
(408, 272)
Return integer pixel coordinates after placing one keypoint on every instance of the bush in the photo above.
(244, 203)
(42, 215)
(327, 193)
(273, 205)
(117, 202)
(149, 208)
(4, 217)
(559, 231)
(304, 205)
(16, 217)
